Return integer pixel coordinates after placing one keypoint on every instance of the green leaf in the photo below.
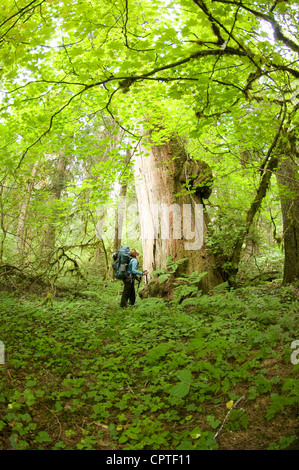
(156, 353)
(43, 436)
(214, 423)
(185, 376)
(163, 278)
(185, 445)
(180, 390)
(29, 397)
(2, 425)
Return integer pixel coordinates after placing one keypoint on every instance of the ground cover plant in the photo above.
(209, 372)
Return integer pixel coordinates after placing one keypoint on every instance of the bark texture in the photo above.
(287, 178)
(167, 178)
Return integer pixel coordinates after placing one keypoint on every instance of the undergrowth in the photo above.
(200, 372)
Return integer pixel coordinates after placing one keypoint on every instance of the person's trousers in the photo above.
(128, 292)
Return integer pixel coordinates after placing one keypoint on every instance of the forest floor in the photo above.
(209, 372)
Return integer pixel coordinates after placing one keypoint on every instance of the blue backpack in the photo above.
(120, 263)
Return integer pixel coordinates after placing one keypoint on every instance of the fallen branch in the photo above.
(227, 415)
(266, 276)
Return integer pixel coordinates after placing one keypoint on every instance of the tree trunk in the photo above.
(120, 213)
(56, 187)
(170, 187)
(2, 224)
(287, 178)
(268, 167)
(119, 219)
(251, 247)
(285, 167)
(21, 229)
(251, 213)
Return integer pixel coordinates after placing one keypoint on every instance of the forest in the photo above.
(170, 127)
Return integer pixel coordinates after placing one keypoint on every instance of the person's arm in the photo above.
(134, 265)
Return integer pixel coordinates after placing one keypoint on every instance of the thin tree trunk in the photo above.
(120, 213)
(101, 247)
(119, 218)
(56, 188)
(285, 167)
(21, 229)
(268, 167)
(255, 206)
(2, 225)
(251, 247)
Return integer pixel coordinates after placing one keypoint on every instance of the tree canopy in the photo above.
(63, 62)
(192, 102)
(221, 74)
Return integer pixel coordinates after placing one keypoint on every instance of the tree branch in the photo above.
(278, 34)
(20, 14)
(126, 82)
(227, 415)
(214, 21)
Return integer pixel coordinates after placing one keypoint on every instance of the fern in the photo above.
(278, 404)
(156, 353)
(184, 291)
(157, 272)
(291, 385)
(238, 420)
(283, 443)
(191, 302)
(193, 278)
(172, 266)
(189, 288)
(162, 278)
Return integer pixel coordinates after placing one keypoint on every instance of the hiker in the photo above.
(132, 273)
